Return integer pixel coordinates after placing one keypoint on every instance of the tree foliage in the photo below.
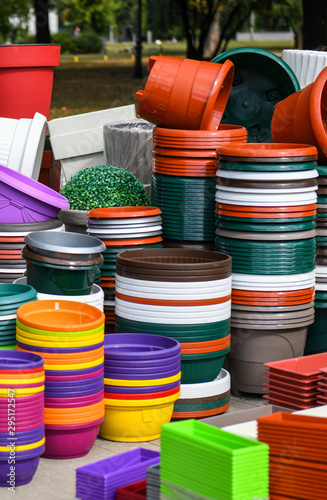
(8, 24)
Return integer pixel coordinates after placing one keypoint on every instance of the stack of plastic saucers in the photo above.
(297, 459)
(204, 400)
(317, 338)
(69, 335)
(181, 293)
(12, 263)
(184, 166)
(142, 376)
(266, 209)
(195, 456)
(21, 416)
(101, 479)
(122, 228)
(12, 296)
(322, 387)
(62, 263)
(293, 383)
(153, 482)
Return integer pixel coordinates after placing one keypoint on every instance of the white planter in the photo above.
(77, 141)
(306, 64)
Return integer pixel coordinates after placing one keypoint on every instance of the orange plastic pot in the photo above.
(162, 302)
(60, 315)
(284, 149)
(302, 116)
(80, 410)
(207, 343)
(185, 93)
(274, 294)
(124, 243)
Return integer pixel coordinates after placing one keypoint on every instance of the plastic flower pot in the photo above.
(70, 441)
(166, 100)
(24, 470)
(198, 368)
(20, 362)
(34, 65)
(306, 105)
(261, 80)
(134, 347)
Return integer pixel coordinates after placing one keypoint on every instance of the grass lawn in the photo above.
(97, 82)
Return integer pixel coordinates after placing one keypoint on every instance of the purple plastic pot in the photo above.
(32, 436)
(72, 394)
(140, 390)
(63, 379)
(156, 372)
(37, 432)
(82, 400)
(20, 360)
(70, 404)
(138, 346)
(24, 470)
(60, 350)
(66, 373)
(24, 455)
(73, 385)
(144, 363)
(70, 443)
(28, 199)
(113, 375)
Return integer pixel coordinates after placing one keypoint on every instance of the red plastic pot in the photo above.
(26, 79)
(301, 117)
(185, 93)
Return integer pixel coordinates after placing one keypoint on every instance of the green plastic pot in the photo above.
(198, 368)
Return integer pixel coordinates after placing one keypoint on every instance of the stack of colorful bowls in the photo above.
(183, 294)
(266, 209)
(12, 263)
(62, 263)
(183, 182)
(142, 382)
(201, 461)
(21, 417)
(293, 383)
(297, 460)
(12, 296)
(317, 338)
(69, 335)
(121, 228)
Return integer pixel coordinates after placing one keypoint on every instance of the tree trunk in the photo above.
(41, 9)
(212, 39)
(314, 24)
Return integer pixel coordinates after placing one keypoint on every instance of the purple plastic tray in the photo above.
(59, 350)
(20, 360)
(140, 390)
(138, 346)
(111, 473)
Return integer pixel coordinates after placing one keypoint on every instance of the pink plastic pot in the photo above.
(185, 93)
(301, 117)
(69, 443)
(26, 79)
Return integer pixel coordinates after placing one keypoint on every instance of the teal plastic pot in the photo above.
(198, 368)
(219, 327)
(317, 332)
(60, 280)
(261, 80)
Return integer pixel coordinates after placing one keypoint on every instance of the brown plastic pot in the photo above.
(163, 275)
(28, 254)
(307, 106)
(222, 181)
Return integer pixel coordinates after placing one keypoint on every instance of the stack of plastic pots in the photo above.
(12, 296)
(266, 210)
(12, 263)
(21, 416)
(101, 479)
(317, 338)
(184, 294)
(204, 400)
(183, 182)
(69, 335)
(293, 383)
(297, 460)
(142, 382)
(153, 482)
(62, 263)
(121, 228)
(195, 456)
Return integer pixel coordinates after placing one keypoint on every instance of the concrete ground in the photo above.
(55, 479)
